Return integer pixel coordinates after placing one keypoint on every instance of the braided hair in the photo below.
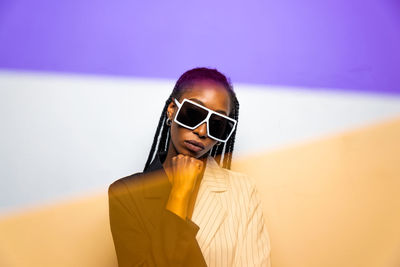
(162, 135)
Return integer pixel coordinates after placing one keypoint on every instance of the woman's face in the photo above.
(209, 94)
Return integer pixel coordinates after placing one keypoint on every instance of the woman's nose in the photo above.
(201, 131)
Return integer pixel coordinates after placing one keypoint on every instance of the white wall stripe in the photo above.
(63, 135)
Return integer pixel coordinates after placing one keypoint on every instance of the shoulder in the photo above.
(124, 184)
(135, 184)
(125, 180)
(240, 180)
(240, 187)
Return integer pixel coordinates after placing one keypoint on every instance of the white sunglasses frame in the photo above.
(210, 112)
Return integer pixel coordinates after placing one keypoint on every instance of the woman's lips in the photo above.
(193, 145)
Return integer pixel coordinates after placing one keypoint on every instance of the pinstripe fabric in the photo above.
(228, 212)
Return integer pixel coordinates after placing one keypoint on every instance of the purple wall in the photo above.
(352, 45)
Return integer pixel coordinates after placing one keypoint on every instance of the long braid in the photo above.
(231, 142)
(218, 154)
(156, 137)
(167, 139)
(164, 132)
(162, 136)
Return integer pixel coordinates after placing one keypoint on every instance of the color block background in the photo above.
(82, 85)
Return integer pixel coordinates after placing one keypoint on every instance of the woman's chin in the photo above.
(188, 152)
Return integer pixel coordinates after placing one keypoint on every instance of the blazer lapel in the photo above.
(209, 212)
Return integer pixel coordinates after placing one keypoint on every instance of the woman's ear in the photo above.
(171, 110)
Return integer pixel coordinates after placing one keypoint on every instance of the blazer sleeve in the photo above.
(254, 247)
(172, 243)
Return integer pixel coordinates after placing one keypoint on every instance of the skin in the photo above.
(183, 166)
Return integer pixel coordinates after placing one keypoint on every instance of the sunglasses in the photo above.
(191, 115)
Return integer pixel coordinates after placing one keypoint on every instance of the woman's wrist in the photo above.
(181, 194)
(178, 203)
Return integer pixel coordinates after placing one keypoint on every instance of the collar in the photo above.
(214, 177)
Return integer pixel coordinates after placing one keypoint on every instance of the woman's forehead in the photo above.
(209, 94)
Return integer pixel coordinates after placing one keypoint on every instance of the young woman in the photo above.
(184, 209)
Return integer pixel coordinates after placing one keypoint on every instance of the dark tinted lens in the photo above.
(191, 115)
(220, 127)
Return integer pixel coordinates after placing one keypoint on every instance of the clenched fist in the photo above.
(183, 173)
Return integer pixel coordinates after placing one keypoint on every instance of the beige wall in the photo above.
(333, 202)
(69, 234)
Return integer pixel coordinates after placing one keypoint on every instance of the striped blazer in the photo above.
(226, 228)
